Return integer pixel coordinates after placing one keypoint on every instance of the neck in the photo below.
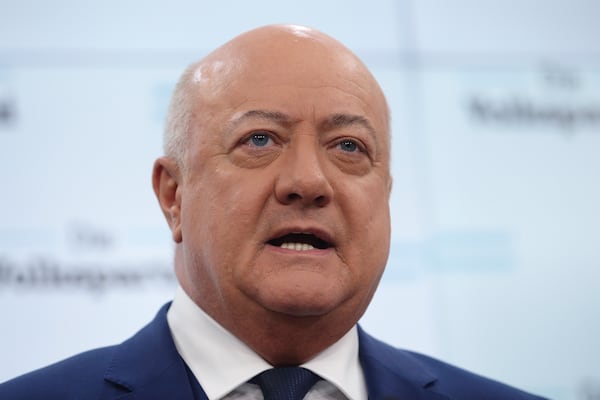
(285, 340)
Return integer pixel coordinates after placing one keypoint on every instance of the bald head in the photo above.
(275, 55)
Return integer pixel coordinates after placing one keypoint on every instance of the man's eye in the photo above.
(349, 146)
(259, 140)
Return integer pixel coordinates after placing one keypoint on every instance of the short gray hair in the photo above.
(178, 120)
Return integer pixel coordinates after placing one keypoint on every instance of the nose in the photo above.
(301, 178)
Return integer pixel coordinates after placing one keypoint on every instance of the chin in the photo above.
(297, 302)
(301, 310)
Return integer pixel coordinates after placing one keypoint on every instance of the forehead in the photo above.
(273, 68)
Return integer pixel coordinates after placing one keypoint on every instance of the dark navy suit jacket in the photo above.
(148, 367)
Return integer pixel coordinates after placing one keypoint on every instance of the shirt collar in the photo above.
(221, 362)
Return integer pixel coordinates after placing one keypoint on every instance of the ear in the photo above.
(166, 180)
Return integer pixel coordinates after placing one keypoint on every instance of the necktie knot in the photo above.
(285, 383)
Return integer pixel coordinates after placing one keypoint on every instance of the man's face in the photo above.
(284, 194)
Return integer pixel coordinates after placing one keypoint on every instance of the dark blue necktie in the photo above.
(285, 383)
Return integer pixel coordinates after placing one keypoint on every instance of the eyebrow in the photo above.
(274, 116)
(344, 120)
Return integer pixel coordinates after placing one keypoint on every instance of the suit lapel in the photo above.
(148, 366)
(393, 374)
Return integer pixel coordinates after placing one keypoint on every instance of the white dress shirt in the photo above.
(223, 364)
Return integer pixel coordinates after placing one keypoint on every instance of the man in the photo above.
(275, 186)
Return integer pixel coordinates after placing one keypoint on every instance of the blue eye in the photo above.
(348, 145)
(260, 139)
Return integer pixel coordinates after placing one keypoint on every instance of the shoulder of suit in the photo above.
(446, 380)
(469, 385)
(72, 378)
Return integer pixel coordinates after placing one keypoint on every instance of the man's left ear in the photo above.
(166, 179)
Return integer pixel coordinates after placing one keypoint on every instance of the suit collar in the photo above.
(391, 373)
(148, 365)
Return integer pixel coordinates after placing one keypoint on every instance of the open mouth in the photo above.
(300, 242)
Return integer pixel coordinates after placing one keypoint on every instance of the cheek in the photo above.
(217, 226)
(376, 233)
(227, 207)
(239, 203)
(368, 218)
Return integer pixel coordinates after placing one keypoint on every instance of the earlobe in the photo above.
(166, 181)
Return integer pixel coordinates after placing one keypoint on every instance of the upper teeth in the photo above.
(297, 246)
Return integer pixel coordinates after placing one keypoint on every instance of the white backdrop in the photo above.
(496, 119)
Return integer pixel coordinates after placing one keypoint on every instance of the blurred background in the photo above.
(494, 263)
